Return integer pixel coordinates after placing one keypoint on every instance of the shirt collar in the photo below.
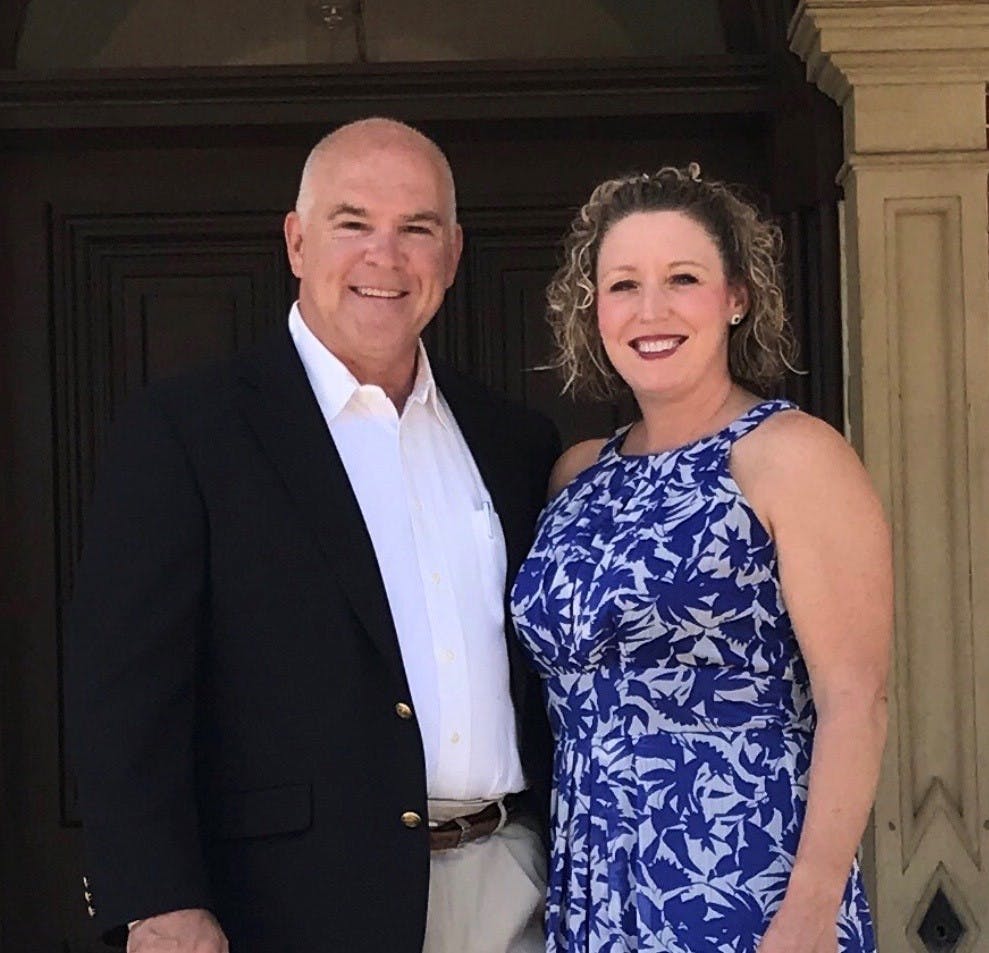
(424, 390)
(333, 383)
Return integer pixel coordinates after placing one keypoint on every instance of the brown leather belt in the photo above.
(463, 830)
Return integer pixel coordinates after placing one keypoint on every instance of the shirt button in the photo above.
(403, 711)
(455, 737)
(448, 656)
(436, 578)
(411, 820)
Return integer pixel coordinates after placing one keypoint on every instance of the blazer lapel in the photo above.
(282, 411)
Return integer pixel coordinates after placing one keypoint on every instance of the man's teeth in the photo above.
(654, 347)
(378, 293)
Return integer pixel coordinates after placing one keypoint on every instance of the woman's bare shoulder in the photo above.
(792, 442)
(573, 462)
(793, 462)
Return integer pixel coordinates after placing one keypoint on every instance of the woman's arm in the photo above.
(571, 463)
(836, 574)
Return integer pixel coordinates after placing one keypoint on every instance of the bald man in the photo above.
(299, 721)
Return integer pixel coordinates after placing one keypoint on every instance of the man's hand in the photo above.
(181, 931)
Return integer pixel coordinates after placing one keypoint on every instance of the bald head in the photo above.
(367, 135)
(375, 246)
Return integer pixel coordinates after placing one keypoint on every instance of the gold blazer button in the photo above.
(403, 710)
(411, 820)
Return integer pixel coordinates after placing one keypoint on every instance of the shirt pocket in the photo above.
(488, 542)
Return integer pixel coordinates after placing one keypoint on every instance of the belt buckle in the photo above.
(464, 826)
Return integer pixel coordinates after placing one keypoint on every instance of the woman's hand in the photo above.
(790, 931)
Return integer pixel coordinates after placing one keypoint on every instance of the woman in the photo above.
(708, 600)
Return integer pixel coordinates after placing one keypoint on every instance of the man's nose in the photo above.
(383, 249)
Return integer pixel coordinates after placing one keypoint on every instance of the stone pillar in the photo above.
(911, 79)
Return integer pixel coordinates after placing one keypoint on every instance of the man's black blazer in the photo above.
(233, 670)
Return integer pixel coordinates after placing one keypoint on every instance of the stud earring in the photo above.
(735, 319)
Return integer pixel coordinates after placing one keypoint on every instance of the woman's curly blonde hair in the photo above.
(760, 348)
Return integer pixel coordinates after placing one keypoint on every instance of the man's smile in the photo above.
(367, 291)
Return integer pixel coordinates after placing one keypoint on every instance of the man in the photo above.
(294, 698)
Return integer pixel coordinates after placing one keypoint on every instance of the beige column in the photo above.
(911, 79)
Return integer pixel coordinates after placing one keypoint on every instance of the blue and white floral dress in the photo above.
(680, 707)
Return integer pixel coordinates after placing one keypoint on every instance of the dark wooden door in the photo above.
(141, 239)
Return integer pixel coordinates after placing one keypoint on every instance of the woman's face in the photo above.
(663, 305)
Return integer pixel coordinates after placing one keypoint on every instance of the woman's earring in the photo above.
(735, 319)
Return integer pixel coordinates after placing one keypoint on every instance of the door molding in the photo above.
(265, 96)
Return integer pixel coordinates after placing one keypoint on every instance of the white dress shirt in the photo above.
(441, 552)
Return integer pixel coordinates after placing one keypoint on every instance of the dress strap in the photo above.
(612, 444)
(753, 417)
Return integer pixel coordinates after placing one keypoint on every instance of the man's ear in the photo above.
(293, 242)
(456, 250)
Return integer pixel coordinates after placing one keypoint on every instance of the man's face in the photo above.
(374, 251)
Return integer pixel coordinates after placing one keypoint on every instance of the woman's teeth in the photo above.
(657, 345)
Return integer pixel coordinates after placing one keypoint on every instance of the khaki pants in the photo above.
(488, 896)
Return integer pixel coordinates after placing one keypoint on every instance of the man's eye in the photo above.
(351, 226)
(419, 229)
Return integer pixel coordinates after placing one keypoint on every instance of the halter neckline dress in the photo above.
(680, 706)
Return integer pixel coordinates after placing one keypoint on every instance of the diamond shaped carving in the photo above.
(942, 921)
(941, 931)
